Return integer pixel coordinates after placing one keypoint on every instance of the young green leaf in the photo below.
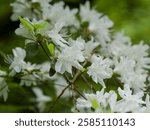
(51, 48)
(26, 24)
(41, 26)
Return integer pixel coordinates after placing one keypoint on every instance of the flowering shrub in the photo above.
(98, 69)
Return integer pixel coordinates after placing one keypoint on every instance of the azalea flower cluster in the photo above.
(79, 44)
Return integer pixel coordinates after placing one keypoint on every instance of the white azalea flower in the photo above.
(92, 101)
(112, 100)
(126, 94)
(87, 14)
(126, 68)
(86, 47)
(129, 102)
(101, 29)
(43, 3)
(139, 53)
(119, 46)
(41, 99)
(68, 58)
(58, 12)
(100, 69)
(22, 31)
(89, 47)
(28, 80)
(79, 43)
(21, 8)
(135, 80)
(97, 24)
(18, 63)
(55, 35)
(44, 71)
(29, 67)
(86, 105)
(100, 102)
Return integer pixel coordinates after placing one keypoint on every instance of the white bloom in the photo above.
(126, 94)
(95, 101)
(87, 14)
(89, 47)
(18, 63)
(126, 68)
(79, 43)
(43, 3)
(68, 58)
(129, 102)
(112, 100)
(58, 12)
(22, 31)
(44, 71)
(100, 69)
(100, 102)
(55, 35)
(139, 53)
(135, 80)
(30, 67)
(86, 47)
(45, 67)
(101, 29)
(37, 27)
(28, 80)
(119, 46)
(21, 8)
(97, 24)
(24, 8)
(41, 99)
(3, 86)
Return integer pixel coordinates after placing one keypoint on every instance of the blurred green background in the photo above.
(132, 16)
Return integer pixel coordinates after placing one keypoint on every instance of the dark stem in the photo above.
(44, 50)
(53, 105)
(80, 93)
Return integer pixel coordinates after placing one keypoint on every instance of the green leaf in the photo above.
(51, 48)
(41, 26)
(26, 24)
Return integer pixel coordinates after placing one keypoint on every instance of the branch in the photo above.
(53, 105)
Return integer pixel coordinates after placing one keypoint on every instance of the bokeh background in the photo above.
(132, 16)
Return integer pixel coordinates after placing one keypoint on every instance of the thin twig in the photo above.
(80, 93)
(44, 50)
(67, 79)
(53, 105)
(87, 82)
(78, 73)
